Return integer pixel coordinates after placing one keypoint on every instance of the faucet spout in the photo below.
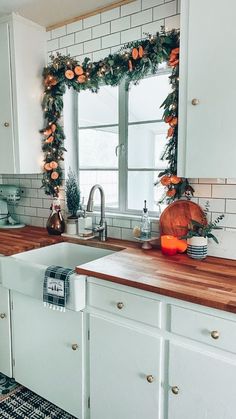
(102, 228)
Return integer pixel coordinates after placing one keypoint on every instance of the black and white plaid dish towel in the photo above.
(56, 287)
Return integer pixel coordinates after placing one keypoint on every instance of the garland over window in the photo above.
(134, 61)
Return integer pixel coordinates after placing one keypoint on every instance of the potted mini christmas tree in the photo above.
(72, 201)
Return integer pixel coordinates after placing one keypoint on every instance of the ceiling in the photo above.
(50, 12)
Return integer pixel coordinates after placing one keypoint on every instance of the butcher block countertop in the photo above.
(211, 282)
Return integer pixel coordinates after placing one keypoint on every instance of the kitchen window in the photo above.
(121, 137)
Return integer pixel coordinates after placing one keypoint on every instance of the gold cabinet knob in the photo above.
(74, 347)
(215, 334)
(150, 378)
(120, 305)
(6, 124)
(195, 102)
(175, 390)
(3, 316)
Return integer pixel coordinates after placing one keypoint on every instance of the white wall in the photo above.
(96, 37)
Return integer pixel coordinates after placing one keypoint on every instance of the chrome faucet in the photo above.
(102, 228)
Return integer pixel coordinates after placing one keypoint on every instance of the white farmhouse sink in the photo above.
(24, 272)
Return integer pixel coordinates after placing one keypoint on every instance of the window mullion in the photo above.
(123, 142)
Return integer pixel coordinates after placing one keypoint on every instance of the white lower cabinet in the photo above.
(201, 385)
(124, 372)
(48, 352)
(5, 333)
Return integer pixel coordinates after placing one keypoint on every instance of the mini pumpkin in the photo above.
(69, 74)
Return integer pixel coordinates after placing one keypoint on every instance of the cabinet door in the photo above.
(5, 333)
(207, 145)
(45, 360)
(122, 360)
(6, 120)
(206, 385)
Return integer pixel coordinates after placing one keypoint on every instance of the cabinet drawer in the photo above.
(212, 330)
(124, 304)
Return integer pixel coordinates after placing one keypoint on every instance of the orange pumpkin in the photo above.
(140, 51)
(69, 74)
(78, 70)
(165, 180)
(181, 245)
(135, 53)
(49, 139)
(53, 127)
(170, 132)
(53, 164)
(47, 167)
(171, 192)
(54, 175)
(175, 180)
(81, 79)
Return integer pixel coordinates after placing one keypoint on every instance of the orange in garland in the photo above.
(170, 132)
(165, 180)
(174, 121)
(130, 65)
(135, 53)
(69, 74)
(175, 180)
(140, 51)
(174, 57)
(171, 192)
(49, 139)
(54, 175)
(53, 165)
(47, 167)
(50, 80)
(47, 132)
(78, 70)
(53, 127)
(81, 79)
(168, 119)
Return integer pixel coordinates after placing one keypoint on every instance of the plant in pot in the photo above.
(72, 201)
(199, 233)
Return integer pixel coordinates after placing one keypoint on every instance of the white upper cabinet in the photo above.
(207, 138)
(22, 52)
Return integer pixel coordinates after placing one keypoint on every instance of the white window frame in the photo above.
(122, 148)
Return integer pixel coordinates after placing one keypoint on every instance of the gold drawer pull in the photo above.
(195, 102)
(3, 316)
(6, 124)
(120, 305)
(150, 378)
(215, 334)
(74, 347)
(175, 390)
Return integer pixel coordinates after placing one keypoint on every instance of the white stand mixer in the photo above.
(9, 195)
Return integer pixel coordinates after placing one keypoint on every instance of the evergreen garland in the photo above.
(133, 61)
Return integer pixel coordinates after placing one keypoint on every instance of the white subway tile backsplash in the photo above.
(119, 222)
(114, 232)
(36, 202)
(202, 191)
(30, 211)
(229, 220)
(53, 45)
(111, 40)
(110, 15)
(99, 55)
(172, 22)
(164, 10)
(231, 205)
(101, 30)
(216, 205)
(130, 8)
(83, 36)
(120, 24)
(48, 35)
(91, 46)
(127, 234)
(92, 21)
(152, 27)
(141, 17)
(75, 50)
(74, 27)
(224, 191)
(212, 180)
(151, 3)
(67, 40)
(130, 35)
(58, 32)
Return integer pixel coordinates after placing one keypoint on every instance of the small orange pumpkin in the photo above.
(78, 70)
(135, 53)
(53, 164)
(69, 74)
(54, 175)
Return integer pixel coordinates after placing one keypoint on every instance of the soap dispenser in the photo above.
(145, 223)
